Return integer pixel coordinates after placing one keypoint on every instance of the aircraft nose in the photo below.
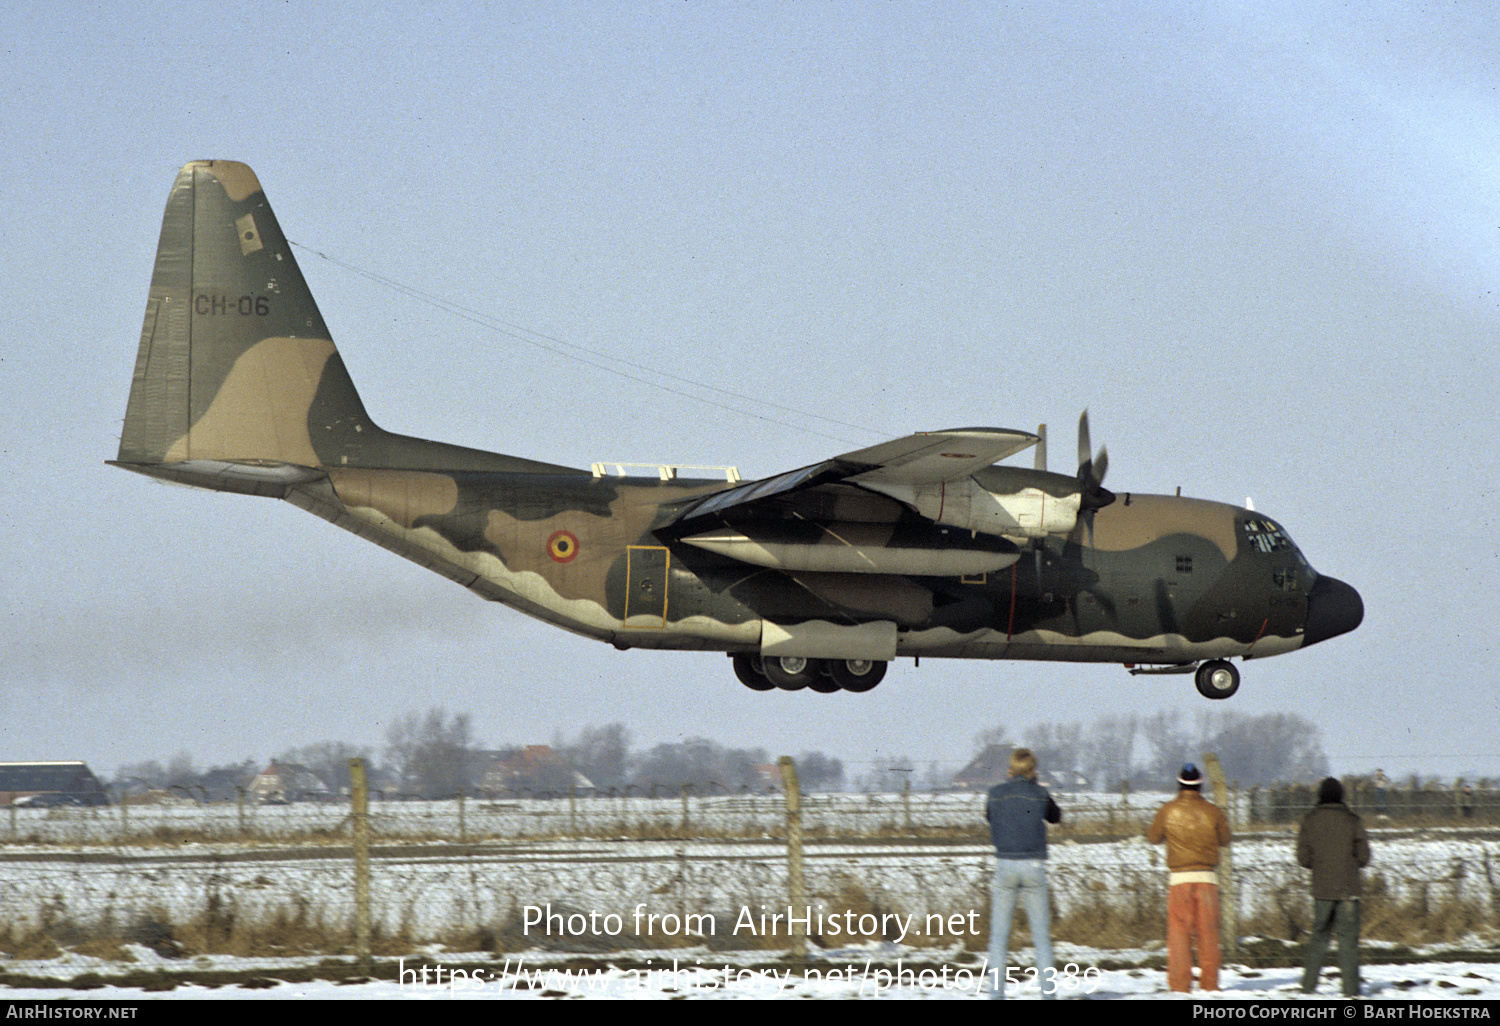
(1333, 608)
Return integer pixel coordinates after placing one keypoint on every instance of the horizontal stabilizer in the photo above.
(269, 479)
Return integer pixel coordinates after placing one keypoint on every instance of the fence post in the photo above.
(1229, 906)
(796, 891)
(360, 794)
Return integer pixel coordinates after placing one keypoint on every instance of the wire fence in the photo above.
(636, 872)
(687, 814)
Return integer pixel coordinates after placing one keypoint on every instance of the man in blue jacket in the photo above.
(1018, 812)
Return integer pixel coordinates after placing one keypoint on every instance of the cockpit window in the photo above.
(1267, 536)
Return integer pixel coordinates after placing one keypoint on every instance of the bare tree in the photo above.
(889, 773)
(1267, 749)
(180, 771)
(328, 760)
(994, 736)
(602, 754)
(1169, 744)
(700, 763)
(431, 754)
(140, 776)
(1059, 750)
(1109, 756)
(818, 772)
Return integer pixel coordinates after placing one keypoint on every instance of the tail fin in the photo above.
(237, 383)
(234, 355)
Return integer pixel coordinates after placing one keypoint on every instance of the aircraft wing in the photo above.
(934, 456)
(925, 458)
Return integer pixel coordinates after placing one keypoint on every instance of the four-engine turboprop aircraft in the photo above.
(815, 578)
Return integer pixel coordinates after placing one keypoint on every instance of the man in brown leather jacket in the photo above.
(1194, 830)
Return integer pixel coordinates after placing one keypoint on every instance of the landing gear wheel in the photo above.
(747, 669)
(791, 673)
(856, 674)
(824, 683)
(1217, 678)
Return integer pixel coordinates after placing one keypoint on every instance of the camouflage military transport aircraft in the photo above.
(816, 578)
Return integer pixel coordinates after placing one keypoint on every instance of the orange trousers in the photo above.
(1193, 926)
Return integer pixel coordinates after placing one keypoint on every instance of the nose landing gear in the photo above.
(1217, 679)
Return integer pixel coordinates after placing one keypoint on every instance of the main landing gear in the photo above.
(1217, 678)
(793, 673)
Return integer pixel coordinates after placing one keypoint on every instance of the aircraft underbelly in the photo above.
(1097, 647)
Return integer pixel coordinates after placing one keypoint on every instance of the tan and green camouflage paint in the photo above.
(239, 387)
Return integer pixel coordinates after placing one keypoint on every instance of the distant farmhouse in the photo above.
(47, 784)
(534, 768)
(990, 767)
(288, 782)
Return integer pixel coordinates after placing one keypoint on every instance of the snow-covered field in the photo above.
(572, 916)
(862, 972)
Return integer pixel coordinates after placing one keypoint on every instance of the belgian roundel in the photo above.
(562, 546)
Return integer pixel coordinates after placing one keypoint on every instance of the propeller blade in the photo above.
(1085, 450)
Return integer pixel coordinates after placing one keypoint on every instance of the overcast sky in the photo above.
(1260, 242)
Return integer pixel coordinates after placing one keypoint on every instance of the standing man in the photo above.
(1332, 843)
(1195, 830)
(1018, 812)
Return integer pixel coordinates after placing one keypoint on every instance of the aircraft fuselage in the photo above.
(816, 577)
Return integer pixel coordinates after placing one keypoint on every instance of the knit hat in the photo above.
(1330, 791)
(1190, 777)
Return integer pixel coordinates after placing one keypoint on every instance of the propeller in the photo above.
(1091, 470)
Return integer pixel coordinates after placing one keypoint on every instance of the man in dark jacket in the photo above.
(1332, 843)
(1018, 812)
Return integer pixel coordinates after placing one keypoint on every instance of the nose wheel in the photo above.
(1217, 679)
